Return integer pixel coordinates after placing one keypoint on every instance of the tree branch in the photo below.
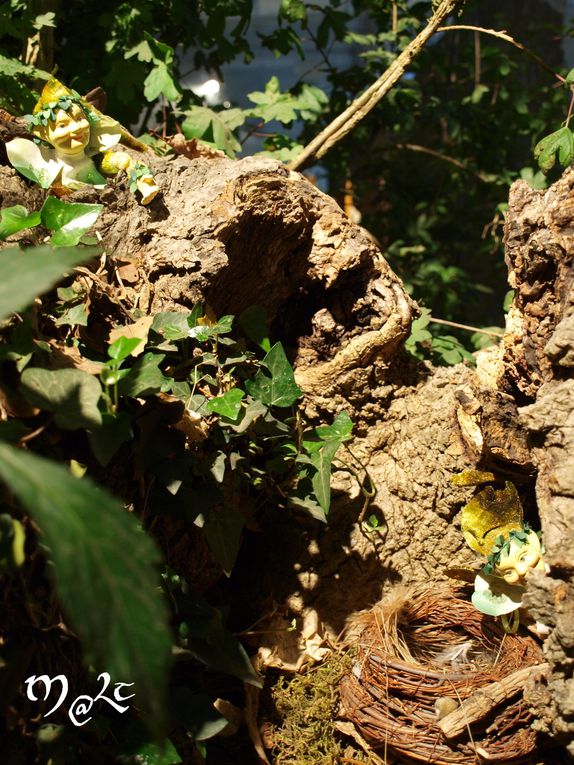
(502, 35)
(361, 106)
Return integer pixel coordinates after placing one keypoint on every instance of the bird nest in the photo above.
(428, 657)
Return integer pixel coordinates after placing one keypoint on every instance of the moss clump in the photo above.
(306, 708)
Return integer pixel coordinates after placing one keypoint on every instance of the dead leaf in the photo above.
(68, 356)
(12, 404)
(193, 148)
(139, 328)
(251, 714)
(234, 716)
(128, 273)
(288, 649)
(193, 425)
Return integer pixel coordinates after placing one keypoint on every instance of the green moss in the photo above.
(306, 705)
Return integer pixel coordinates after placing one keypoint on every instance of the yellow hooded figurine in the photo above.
(493, 526)
(72, 131)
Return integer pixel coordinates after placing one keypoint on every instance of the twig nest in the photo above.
(423, 654)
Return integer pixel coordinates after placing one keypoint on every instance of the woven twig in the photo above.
(425, 646)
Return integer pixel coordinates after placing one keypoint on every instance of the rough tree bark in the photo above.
(235, 233)
(538, 363)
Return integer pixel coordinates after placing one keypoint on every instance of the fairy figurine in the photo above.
(493, 526)
(72, 146)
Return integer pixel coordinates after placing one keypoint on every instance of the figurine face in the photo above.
(520, 558)
(69, 133)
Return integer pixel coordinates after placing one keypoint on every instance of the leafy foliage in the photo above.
(209, 421)
(68, 221)
(88, 535)
(442, 349)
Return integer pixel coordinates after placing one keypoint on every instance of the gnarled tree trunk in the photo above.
(238, 233)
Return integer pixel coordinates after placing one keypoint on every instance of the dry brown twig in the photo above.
(361, 106)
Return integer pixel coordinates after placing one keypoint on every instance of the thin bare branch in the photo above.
(361, 106)
(485, 177)
(503, 35)
(488, 332)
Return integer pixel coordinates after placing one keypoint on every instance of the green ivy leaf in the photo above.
(228, 405)
(105, 571)
(253, 321)
(321, 445)
(27, 274)
(173, 325)
(222, 529)
(195, 712)
(68, 221)
(75, 316)
(121, 348)
(280, 389)
(16, 218)
(145, 378)
(321, 480)
(340, 429)
(114, 431)
(212, 644)
(71, 394)
(559, 144)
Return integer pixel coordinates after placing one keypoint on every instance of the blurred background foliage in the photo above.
(428, 169)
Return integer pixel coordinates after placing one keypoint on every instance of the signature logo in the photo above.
(81, 706)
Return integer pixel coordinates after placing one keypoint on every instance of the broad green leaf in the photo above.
(293, 10)
(280, 389)
(559, 144)
(25, 275)
(253, 321)
(173, 325)
(145, 377)
(339, 430)
(160, 51)
(228, 405)
(105, 571)
(274, 105)
(196, 713)
(75, 316)
(121, 348)
(68, 221)
(160, 82)
(114, 431)
(71, 394)
(222, 529)
(211, 643)
(321, 480)
(215, 128)
(17, 218)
